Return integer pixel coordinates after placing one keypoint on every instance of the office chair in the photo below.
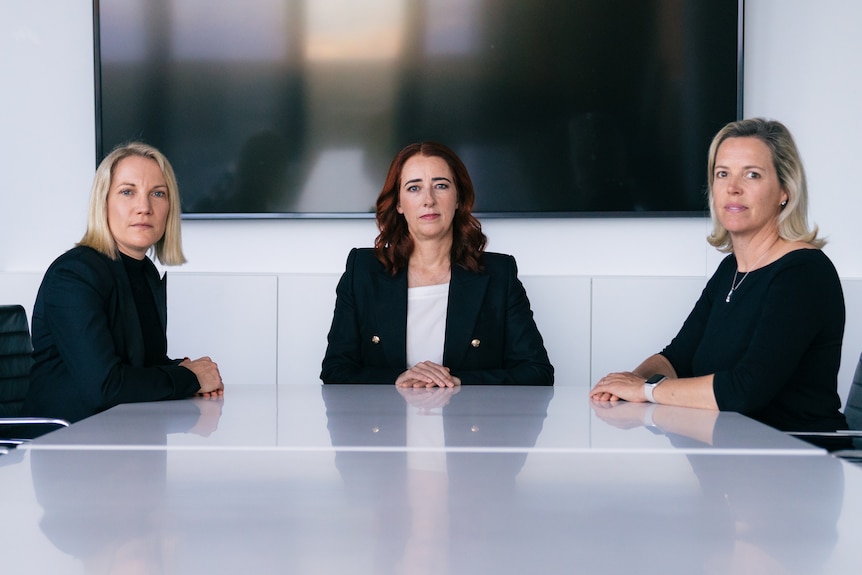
(853, 414)
(15, 362)
(853, 409)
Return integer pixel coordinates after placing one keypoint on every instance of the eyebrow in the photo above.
(134, 185)
(434, 179)
(748, 167)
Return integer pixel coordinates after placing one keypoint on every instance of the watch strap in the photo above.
(649, 387)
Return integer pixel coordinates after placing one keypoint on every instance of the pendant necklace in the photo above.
(735, 286)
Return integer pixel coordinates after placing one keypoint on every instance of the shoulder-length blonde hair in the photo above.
(793, 218)
(169, 248)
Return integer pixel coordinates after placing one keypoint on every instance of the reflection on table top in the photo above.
(384, 418)
(372, 512)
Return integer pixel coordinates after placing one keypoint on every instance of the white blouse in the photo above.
(426, 323)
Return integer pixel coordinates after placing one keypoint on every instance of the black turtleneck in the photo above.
(152, 330)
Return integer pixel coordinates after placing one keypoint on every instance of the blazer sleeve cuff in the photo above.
(185, 382)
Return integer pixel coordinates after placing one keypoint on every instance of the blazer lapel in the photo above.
(466, 293)
(391, 312)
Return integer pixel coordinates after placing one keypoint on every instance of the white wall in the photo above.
(801, 66)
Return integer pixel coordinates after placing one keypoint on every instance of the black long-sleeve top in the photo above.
(775, 347)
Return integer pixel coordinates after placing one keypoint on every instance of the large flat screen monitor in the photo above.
(295, 108)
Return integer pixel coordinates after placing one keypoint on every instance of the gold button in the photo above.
(375, 339)
(475, 343)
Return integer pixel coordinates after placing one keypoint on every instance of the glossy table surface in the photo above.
(346, 480)
(343, 417)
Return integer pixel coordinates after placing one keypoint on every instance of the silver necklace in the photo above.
(735, 286)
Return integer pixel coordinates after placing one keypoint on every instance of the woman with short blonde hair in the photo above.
(793, 220)
(169, 249)
(100, 318)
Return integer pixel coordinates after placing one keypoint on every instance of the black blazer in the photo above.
(491, 337)
(88, 348)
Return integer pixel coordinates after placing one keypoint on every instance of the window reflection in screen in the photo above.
(297, 106)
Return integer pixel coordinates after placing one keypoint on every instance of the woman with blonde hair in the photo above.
(764, 339)
(99, 322)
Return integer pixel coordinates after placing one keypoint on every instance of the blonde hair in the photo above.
(793, 218)
(169, 248)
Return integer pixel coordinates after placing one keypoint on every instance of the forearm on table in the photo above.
(687, 392)
(654, 364)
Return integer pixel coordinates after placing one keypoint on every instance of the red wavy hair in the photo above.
(394, 244)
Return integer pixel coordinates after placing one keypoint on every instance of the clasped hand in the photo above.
(427, 374)
(615, 386)
(209, 378)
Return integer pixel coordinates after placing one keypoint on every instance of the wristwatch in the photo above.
(651, 384)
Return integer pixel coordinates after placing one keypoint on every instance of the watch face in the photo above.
(655, 379)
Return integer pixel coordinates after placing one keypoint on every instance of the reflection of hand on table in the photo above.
(426, 549)
(694, 423)
(690, 422)
(210, 412)
(427, 398)
(624, 414)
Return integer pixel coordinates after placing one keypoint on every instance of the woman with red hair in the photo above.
(427, 306)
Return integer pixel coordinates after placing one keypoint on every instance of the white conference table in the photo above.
(344, 479)
(375, 417)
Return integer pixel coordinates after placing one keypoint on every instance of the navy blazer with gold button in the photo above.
(491, 337)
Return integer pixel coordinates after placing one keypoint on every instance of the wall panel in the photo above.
(230, 317)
